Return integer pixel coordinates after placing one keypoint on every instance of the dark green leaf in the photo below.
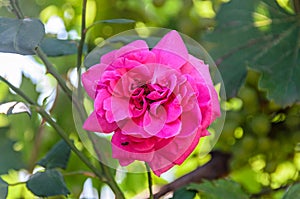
(260, 35)
(3, 188)
(225, 189)
(55, 47)
(57, 157)
(9, 158)
(48, 183)
(20, 36)
(14, 108)
(292, 192)
(184, 193)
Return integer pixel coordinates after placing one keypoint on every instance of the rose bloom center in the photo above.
(151, 98)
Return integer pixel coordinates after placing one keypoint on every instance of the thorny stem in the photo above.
(104, 175)
(59, 130)
(149, 181)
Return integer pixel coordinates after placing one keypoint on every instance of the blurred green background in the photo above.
(263, 137)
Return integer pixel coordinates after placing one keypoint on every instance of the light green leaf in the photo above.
(3, 188)
(292, 192)
(20, 36)
(48, 183)
(225, 189)
(14, 108)
(55, 47)
(57, 157)
(261, 35)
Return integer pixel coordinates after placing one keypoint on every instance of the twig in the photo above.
(217, 167)
(297, 6)
(85, 173)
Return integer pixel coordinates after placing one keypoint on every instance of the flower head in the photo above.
(157, 102)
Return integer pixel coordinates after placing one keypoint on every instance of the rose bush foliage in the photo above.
(157, 102)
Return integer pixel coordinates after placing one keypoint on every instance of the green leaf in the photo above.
(9, 158)
(261, 35)
(225, 189)
(57, 157)
(292, 192)
(48, 183)
(55, 47)
(14, 108)
(116, 21)
(20, 36)
(184, 193)
(3, 188)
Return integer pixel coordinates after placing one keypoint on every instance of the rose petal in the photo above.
(171, 50)
(102, 94)
(209, 104)
(96, 123)
(174, 110)
(132, 128)
(175, 152)
(200, 70)
(119, 108)
(137, 45)
(122, 150)
(170, 129)
(91, 77)
(91, 123)
(154, 121)
(108, 58)
(190, 120)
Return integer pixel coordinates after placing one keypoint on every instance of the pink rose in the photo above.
(158, 103)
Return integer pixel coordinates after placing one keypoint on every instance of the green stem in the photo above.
(51, 69)
(149, 181)
(83, 34)
(111, 181)
(80, 51)
(107, 178)
(16, 8)
(18, 91)
(59, 130)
